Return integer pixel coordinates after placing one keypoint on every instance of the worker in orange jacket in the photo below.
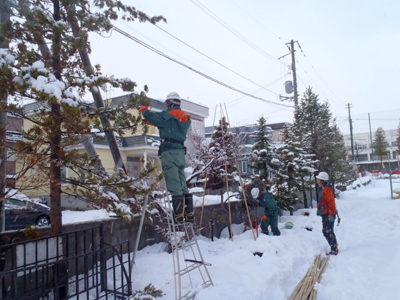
(173, 125)
(327, 210)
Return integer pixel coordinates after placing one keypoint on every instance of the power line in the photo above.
(194, 70)
(318, 73)
(212, 59)
(233, 31)
(256, 20)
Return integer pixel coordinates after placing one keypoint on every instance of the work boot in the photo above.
(178, 203)
(334, 250)
(189, 213)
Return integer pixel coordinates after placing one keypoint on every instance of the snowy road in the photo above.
(367, 267)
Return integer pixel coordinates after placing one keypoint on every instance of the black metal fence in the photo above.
(75, 265)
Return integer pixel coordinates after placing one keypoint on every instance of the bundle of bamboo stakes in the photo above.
(305, 289)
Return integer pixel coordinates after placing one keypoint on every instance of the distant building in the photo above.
(14, 133)
(363, 151)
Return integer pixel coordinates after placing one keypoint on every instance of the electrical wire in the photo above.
(318, 73)
(196, 71)
(256, 20)
(212, 59)
(233, 31)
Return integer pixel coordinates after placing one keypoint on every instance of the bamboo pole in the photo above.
(205, 182)
(305, 289)
(226, 174)
(241, 184)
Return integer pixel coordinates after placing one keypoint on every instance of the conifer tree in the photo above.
(292, 179)
(312, 122)
(262, 153)
(341, 171)
(285, 187)
(57, 80)
(380, 143)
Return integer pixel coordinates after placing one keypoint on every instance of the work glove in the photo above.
(331, 218)
(142, 108)
(319, 212)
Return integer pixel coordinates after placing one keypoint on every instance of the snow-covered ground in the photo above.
(367, 266)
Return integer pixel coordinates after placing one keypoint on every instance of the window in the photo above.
(196, 126)
(244, 167)
(11, 156)
(133, 166)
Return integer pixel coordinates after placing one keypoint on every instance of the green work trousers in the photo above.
(173, 164)
(273, 222)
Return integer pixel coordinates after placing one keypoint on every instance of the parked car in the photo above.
(396, 172)
(20, 212)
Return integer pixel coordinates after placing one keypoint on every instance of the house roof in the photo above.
(250, 128)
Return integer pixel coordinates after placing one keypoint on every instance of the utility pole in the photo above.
(294, 72)
(4, 17)
(351, 135)
(295, 96)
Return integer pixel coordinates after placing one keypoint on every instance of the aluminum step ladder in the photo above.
(186, 255)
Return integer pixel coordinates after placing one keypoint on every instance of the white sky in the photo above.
(350, 55)
(367, 266)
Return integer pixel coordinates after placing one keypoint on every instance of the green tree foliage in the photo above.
(380, 143)
(262, 152)
(293, 176)
(312, 122)
(341, 171)
(320, 137)
(56, 79)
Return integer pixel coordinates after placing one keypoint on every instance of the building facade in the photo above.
(364, 155)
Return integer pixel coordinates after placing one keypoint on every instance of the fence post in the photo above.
(391, 186)
(103, 261)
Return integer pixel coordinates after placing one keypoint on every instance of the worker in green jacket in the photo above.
(173, 125)
(271, 214)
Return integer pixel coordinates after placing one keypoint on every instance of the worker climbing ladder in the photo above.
(186, 254)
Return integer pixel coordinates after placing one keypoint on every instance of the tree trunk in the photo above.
(4, 17)
(304, 192)
(55, 138)
(98, 99)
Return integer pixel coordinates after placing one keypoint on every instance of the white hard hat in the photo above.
(174, 98)
(323, 176)
(255, 192)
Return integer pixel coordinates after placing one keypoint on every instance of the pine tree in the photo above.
(57, 80)
(262, 154)
(380, 143)
(320, 137)
(284, 188)
(224, 150)
(296, 167)
(312, 122)
(341, 171)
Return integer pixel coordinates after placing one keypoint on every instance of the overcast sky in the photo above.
(349, 54)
